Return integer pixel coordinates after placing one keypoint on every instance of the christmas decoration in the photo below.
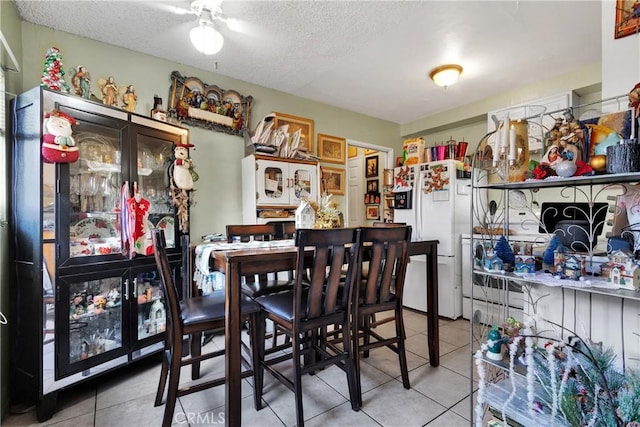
(182, 177)
(547, 257)
(53, 73)
(327, 214)
(58, 145)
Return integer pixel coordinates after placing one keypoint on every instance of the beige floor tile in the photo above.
(317, 398)
(455, 336)
(211, 398)
(393, 405)
(370, 378)
(446, 348)
(85, 420)
(458, 361)
(449, 419)
(463, 408)
(141, 379)
(418, 344)
(461, 324)
(416, 322)
(134, 411)
(440, 384)
(250, 417)
(342, 415)
(387, 361)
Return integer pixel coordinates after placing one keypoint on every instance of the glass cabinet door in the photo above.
(91, 329)
(94, 191)
(151, 309)
(272, 182)
(304, 182)
(153, 156)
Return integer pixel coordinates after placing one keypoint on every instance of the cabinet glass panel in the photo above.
(94, 188)
(153, 159)
(273, 182)
(152, 317)
(95, 318)
(302, 183)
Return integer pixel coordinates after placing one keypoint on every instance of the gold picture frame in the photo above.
(627, 18)
(373, 212)
(305, 125)
(368, 151)
(333, 180)
(331, 149)
(352, 151)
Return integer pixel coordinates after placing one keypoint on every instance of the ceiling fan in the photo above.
(205, 37)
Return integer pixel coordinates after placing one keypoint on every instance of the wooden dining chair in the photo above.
(306, 311)
(386, 248)
(193, 316)
(255, 286)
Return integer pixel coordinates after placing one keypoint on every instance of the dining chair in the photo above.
(386, 249)
(253, 286)
(306, 311)
(191, 317)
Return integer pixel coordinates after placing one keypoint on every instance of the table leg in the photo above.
(233, 405)
(432, 308)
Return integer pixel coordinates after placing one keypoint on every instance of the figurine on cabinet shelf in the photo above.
(573, 268)
(82, 82)
(129, 98)
(503, 251)
(109, 91)
(622, 270)
(525, 264)
(58, 144)
(113, 297)
(493, 263)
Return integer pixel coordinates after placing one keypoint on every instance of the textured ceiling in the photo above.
(370, 57)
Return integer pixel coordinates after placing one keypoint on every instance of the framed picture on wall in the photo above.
(352, 151)
(373, 212)
(333, 180)
(331, 149)
(372, 186)
(307, 134)
(372, 166)
(627, 18)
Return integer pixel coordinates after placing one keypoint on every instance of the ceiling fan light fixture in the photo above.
(206, 39)
(446, 75)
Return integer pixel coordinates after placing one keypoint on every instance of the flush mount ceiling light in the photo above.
(445, 75)
(205, 37)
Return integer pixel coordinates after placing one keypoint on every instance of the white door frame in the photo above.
(389, 163)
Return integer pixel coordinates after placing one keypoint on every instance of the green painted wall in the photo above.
(216, 155)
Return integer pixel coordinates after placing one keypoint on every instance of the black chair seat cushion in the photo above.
(211, 307)
(258, 289)
(281, 304)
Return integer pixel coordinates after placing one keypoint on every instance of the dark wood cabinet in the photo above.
(81, 307)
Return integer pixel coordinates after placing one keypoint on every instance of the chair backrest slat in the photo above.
(388, 263)
(247, 232)
(330, 249)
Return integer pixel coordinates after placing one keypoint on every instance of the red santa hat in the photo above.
(187, 145)
(61, 115)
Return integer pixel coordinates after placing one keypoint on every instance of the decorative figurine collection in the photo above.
(58, 144)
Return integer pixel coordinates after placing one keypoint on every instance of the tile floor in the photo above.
(438, 396)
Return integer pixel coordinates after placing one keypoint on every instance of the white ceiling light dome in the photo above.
(205, 38)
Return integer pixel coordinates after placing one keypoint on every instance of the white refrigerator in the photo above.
(437, 204)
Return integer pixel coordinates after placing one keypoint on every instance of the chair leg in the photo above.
(352, 372)
(174, 382)
(297, 379)
(402, 354)
(195, 349)
(258, 368)
(366, 338)
(164, 369)
(257, 338)
(355, 354)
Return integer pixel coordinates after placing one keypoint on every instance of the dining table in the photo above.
(241, 259)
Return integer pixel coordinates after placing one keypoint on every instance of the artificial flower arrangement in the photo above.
(327, 213)
(572, 383)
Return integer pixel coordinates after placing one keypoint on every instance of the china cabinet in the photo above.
(272, 188)
(556, 310)
(82, 307)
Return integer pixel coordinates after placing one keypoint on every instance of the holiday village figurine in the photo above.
(58, 145)
(53, 74)
(82, 82)
(182, 177)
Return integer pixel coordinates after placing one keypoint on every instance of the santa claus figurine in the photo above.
(58, 145)
(182, 167)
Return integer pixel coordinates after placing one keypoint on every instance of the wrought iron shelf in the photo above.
(565, 182)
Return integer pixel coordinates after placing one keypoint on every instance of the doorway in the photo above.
(358, 213)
